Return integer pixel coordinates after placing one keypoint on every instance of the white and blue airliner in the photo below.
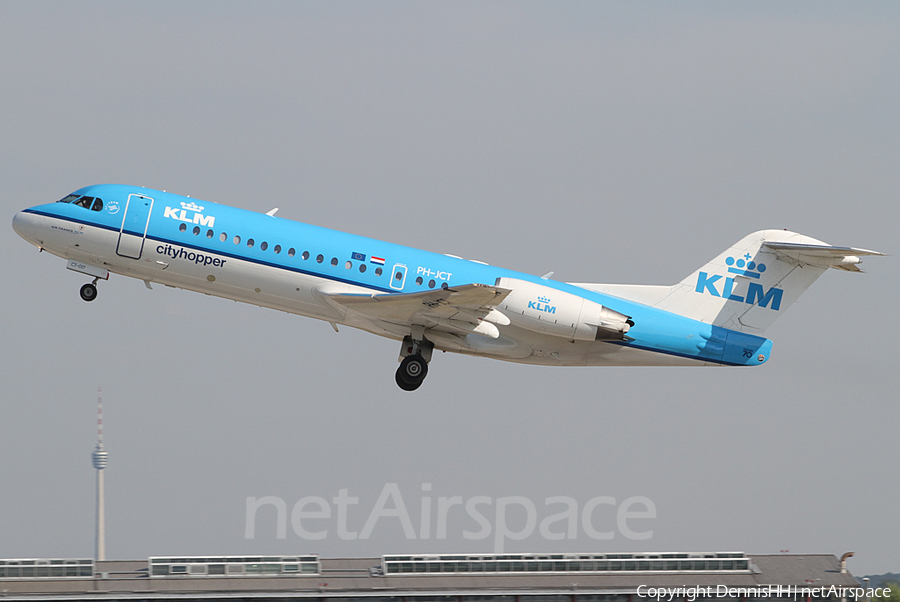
(714, 317)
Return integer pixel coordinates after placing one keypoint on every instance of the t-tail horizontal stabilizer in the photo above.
(841, 258)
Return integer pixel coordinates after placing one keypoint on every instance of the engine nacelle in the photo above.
(543, 309)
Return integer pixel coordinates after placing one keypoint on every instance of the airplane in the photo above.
(714, 317)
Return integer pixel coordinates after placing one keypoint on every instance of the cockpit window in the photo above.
(88, 202)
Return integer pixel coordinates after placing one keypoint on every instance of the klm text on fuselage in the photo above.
(194, 217)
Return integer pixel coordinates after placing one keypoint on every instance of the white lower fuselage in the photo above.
(301, 294)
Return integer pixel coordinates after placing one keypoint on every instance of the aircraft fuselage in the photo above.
(299, 268)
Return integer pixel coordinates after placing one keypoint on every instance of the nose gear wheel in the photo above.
(88, 292)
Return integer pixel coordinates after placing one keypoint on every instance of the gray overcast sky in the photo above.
(609, 142)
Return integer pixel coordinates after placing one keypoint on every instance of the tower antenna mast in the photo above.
(101, 459)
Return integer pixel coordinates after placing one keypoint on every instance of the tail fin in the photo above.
(751, 284)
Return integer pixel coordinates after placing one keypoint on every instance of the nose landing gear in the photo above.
(415, 355)
(89, 290)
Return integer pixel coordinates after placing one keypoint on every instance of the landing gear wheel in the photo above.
(412, 372)
(403, 384)
(88, 292)
(413, 368)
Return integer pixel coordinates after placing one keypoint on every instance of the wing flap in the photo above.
(469, 303)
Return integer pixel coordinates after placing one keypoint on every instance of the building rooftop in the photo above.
(427, 578)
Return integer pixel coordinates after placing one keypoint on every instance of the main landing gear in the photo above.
(89, 290)
(414, 357)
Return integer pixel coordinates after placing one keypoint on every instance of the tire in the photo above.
(403, 384)
(88, 292)
(413, 369)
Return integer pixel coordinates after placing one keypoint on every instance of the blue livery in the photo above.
(715, 316)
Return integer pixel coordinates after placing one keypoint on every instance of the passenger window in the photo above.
(305, 255)
(182, 227)
(348, 265)
(362, 267)
(249, 242)
(237, 240)
(418, 280)
(431, 284)
(320, 258)
(196, 230)
(334, 261)
(223, 237)
(209, 233)
(277, 249)
(97, 206)
(291, 252)
(378, 271)
(263, 246)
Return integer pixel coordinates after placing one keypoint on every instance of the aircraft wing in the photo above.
(842, 258)
(467, 308)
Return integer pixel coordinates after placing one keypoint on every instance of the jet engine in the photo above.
(546, 310)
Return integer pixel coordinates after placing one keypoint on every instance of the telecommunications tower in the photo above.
(101, 458)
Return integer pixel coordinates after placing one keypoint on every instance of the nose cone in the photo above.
(26, 225)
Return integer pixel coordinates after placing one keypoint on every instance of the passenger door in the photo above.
(134, 226)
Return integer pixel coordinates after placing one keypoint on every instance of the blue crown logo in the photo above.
(191, 207)
(745, 267)
(543, 300)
